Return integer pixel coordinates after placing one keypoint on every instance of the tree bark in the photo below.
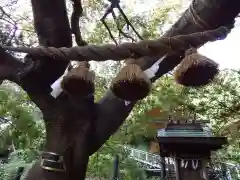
(76, 128)
(67, 121)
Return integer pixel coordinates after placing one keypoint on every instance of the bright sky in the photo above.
(225, 52)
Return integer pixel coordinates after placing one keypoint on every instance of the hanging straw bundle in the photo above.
(195, 69)
(131, 83)
(79, 81)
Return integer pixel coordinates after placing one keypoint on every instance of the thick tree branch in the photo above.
(76, 14)
(10, 67)
(202, 15)
(110, 109)
(17, 71)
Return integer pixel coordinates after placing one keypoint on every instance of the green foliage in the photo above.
(24, 129)
(219, 103)
(9, 171)
(101, 163)
(148, 24)
(24, 132)
(166, 96)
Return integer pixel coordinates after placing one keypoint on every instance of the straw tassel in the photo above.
(79, 81)
(195, 70)
(131, 83)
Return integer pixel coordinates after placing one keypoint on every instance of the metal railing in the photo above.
(144, 157)
(153, 161)
(150, 159)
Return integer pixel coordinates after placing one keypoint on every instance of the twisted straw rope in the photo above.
(156, 47)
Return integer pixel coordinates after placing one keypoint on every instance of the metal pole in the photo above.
(116, 167)
(163, 164)
(19, 173)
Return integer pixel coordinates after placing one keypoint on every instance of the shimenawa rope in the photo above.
(156, 47)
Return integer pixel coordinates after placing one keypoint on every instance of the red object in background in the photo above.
(155, 112)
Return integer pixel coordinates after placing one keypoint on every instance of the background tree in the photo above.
(83, 123)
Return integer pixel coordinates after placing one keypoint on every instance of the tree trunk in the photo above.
(67, 119)
(76, 128)
(68, 133)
